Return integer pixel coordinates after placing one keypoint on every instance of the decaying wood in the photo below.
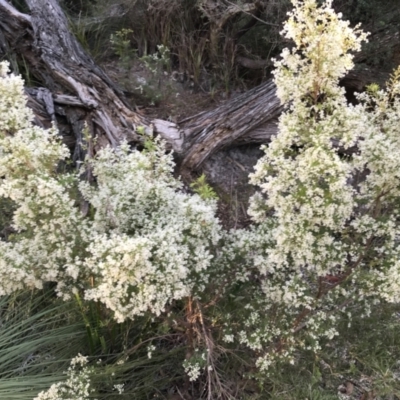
(230, 123)
(76, 88)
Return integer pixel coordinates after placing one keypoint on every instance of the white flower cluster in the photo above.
(303, 176)
(195, 365)
(145, 243)
(150, 349)
(153, 244)
(48, 230)
(320, 56)
(193, 370)
(119, 388)
(76, 387)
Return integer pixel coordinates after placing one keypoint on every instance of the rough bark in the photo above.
(77, 90)
(246, 118)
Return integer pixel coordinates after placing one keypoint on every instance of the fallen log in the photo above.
(247, 118)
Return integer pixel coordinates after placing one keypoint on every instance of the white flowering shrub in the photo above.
(153, 243)
(329, 221)
(326, 232)
(48, 230)
(77, 386)
(145, 244)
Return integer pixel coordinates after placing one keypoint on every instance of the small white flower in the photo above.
(119, 388)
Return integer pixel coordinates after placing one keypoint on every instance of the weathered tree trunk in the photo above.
(248, 118)
(77, 90)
